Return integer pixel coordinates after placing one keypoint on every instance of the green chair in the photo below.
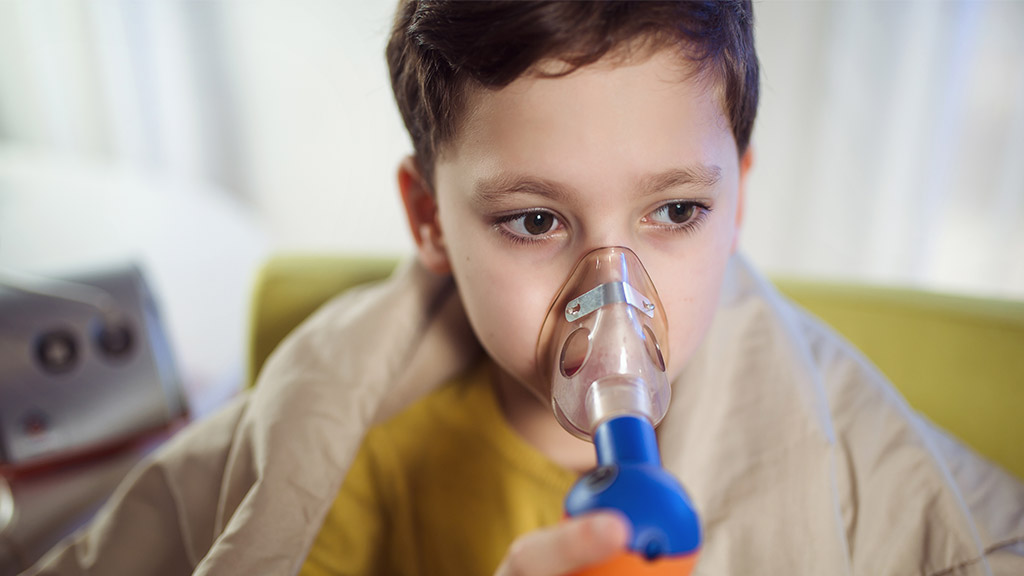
(958, 360)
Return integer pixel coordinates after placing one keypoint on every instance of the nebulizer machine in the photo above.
(603, 365)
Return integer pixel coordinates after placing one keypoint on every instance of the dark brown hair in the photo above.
(438, 48)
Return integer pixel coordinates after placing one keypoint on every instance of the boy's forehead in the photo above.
(614, 99)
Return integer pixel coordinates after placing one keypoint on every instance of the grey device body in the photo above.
(64, 389)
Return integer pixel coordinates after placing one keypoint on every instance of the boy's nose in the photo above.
(608, 238)
(607, 229)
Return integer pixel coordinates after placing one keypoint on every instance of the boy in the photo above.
(543, 131)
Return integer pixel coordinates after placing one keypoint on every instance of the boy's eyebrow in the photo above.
(699, 176)
(493, 190)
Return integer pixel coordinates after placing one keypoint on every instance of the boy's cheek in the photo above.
(690, 289)
(506, 306)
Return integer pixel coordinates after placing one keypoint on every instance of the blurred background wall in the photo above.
(197, 137)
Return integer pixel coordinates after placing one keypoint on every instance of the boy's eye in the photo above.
(538, 222)
(677, 213)
(531, 223)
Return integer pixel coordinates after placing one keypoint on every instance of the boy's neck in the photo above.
(534, 421)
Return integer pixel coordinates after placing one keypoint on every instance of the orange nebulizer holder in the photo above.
(632, 564)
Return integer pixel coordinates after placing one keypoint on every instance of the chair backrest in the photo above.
(958, 360)
(289, 287)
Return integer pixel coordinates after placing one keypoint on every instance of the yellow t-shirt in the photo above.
(442, 488)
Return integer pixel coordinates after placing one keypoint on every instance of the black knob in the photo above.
(115, 340)
(57, 351)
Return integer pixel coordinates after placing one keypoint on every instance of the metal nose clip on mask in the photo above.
(600, 345)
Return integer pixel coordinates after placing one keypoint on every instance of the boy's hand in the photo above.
(567, 547)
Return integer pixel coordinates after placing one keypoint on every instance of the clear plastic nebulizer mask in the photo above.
(601, 344)
(602, 362)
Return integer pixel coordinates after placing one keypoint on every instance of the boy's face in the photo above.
(637, 154)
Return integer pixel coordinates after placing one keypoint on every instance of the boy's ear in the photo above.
(421, 210)
(746, 161)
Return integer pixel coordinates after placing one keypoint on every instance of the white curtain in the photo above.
(140, 84)
(891, 143)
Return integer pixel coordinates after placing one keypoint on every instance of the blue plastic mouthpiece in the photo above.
(629, 478)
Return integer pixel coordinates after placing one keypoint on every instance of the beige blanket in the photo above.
(800, 458)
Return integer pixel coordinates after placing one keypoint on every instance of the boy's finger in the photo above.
(567, 547)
